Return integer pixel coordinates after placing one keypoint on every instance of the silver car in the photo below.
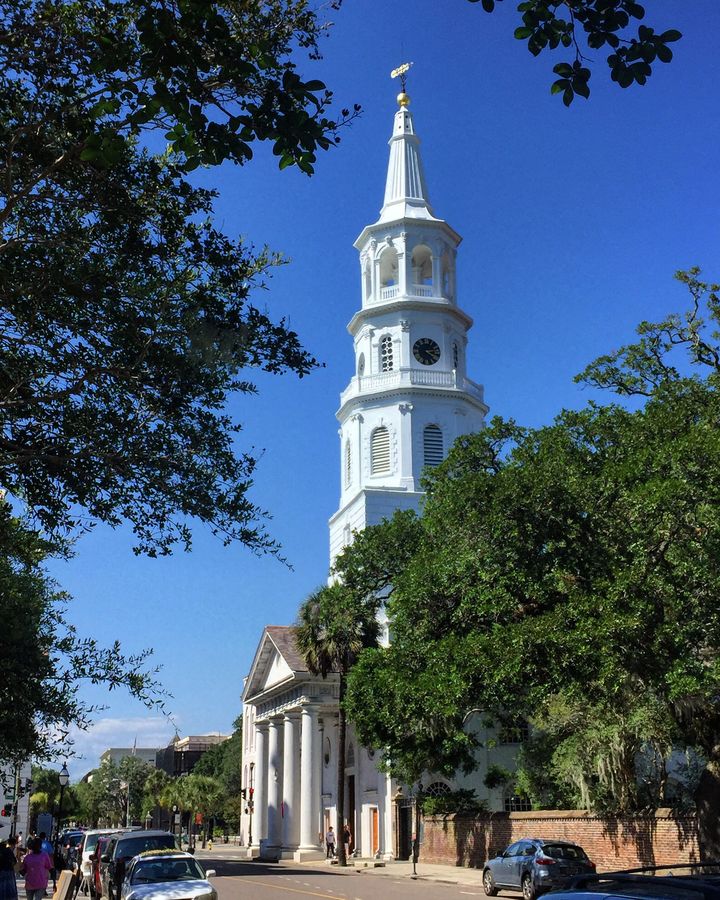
(166, 876)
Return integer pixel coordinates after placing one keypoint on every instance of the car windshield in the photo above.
(564, 851)
(91, 842)
(153, 870)
(135, 846)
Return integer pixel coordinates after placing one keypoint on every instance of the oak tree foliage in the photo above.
(586, 26)
(568, 575)
(44, 661)
(126, 319)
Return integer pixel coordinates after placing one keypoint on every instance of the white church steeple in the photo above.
(409, 397)
(406, 193)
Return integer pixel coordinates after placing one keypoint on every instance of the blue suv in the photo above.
(535, 866)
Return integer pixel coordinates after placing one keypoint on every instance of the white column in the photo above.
(259, 823)
(408, 477)
(310, 785)
(274, 782)
(387, 810)
(319, 766)
(436, 274)
(291, 781)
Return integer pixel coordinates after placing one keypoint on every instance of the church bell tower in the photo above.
(409, 397)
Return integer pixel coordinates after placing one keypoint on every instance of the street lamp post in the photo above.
(63, 778)
(251, 802)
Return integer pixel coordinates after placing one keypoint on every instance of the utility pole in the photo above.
(13, 824)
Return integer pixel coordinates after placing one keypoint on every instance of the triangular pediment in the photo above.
(276, 662)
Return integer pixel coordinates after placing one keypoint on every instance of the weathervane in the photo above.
(401, 73)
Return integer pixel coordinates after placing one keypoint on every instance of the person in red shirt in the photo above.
(36, 869)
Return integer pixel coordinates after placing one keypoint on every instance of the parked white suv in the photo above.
(86, 850)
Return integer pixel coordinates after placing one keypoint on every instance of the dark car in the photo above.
(535, 866)
(696, 881)
(68, 843)
(121, 848)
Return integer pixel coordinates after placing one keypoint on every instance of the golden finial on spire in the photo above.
(401, 72)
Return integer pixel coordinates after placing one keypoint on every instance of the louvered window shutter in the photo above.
(433, 445)
(380, 451)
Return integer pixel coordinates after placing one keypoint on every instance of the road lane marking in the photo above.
(280, 887)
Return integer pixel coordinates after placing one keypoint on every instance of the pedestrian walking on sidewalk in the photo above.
(36, 868)
(347, 840)
(8, 865)
(330, 843)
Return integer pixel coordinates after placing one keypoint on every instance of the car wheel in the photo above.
(528, 889)
(489, 885)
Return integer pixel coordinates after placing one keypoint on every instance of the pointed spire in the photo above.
(405, 190)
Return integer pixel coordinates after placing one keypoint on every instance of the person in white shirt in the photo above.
(330, 843)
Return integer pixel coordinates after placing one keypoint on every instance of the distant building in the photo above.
(181, 756)
(117, 754)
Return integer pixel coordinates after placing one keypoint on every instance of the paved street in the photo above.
(239, 879)
(261, 881)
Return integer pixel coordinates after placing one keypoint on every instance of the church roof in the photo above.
(277, 661)
(283, 636)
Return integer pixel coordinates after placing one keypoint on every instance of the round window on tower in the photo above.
(361, 365)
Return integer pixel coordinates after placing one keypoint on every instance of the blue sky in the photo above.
(573, 223)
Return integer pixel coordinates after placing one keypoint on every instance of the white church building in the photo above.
(410, 397)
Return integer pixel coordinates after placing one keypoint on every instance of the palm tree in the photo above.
(334, 625)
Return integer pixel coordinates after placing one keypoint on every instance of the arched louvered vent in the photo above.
(348, 464)
(380, 451)
(386, 354)
(432, 445)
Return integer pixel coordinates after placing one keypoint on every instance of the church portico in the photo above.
(289, 713)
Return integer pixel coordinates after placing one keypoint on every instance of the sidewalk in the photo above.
(399, 869)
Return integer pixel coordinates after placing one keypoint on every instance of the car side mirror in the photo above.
(210, 873)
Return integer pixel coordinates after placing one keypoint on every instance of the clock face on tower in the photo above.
(426, 351)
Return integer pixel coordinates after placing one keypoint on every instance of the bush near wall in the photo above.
(656, 838)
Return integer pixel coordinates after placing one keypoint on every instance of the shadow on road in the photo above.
(256, 868)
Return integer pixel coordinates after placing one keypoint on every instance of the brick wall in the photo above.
(657, 838)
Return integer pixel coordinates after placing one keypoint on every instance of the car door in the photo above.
(518, 863)
(105, 865)
(527, 860)
(503, 873)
